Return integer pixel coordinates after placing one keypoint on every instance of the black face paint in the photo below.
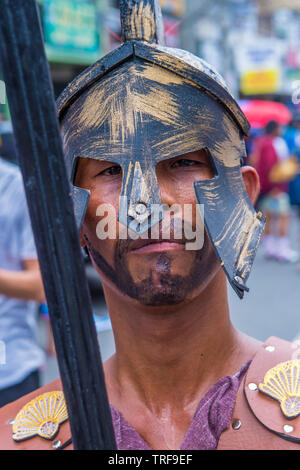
(172, 288)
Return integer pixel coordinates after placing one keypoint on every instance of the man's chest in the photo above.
(163, 432)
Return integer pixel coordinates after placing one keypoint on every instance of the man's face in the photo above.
(156, 270)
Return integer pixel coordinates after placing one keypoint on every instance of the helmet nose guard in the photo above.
(140, 198)
(194, 110)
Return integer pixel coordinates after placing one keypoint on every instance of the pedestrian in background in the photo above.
(292, 138)
(21, 290)
(274, 199)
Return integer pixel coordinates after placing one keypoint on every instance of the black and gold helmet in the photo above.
(144, 103)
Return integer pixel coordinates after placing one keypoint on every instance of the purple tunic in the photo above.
(212, 417)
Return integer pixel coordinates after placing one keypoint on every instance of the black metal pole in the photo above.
(31, 101)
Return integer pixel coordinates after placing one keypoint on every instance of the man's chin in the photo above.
(171, 290)
(160, 299)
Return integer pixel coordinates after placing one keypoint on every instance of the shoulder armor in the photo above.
(272, 388)
(267, 410)
(37, 421)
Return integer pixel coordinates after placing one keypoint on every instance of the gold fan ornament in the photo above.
(41, 416)
(282, 383)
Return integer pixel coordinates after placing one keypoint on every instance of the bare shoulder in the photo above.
(246, 347)
(242, 349)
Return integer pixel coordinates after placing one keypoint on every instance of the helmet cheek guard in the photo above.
(144, 103)
(233, 226)
(80, 199)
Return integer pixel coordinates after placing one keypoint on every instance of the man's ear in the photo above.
(252, 183)
(81, 239)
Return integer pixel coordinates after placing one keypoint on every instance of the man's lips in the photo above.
(156, 246)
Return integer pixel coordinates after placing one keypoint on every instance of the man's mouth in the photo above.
(139, 247)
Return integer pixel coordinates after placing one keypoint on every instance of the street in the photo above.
(271, 308)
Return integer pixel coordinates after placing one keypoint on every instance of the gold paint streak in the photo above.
(124, 113)
(170, 61)
(229, 150)
(233, 225)
(185, 139)
(141, 185)
(142, 22)
(161, 106)
(246, 222)
(243, 265)
(165, 77)
(121, 102)
(127, 177)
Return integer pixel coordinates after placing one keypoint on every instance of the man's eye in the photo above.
(111, 171)
(183, 162)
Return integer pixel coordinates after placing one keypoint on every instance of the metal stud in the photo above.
(140, 208)
(139, 211)
(252, 386)
(238, 279)
(288, 428)
(56, 444)
(270, 348)
(11, 421)
(236, 424)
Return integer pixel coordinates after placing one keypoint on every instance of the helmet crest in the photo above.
(141, 20)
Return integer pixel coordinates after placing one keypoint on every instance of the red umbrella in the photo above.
(259, 113)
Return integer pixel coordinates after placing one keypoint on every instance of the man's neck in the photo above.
(172, 355)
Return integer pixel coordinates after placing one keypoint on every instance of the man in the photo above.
(163, 309)
(21, 290)
(149, 135)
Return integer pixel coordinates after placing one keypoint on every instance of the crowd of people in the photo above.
(275, 153)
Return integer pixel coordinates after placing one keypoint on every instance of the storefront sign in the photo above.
(259, 65)
(71, 31)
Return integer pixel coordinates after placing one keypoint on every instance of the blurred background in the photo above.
(255, 45)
